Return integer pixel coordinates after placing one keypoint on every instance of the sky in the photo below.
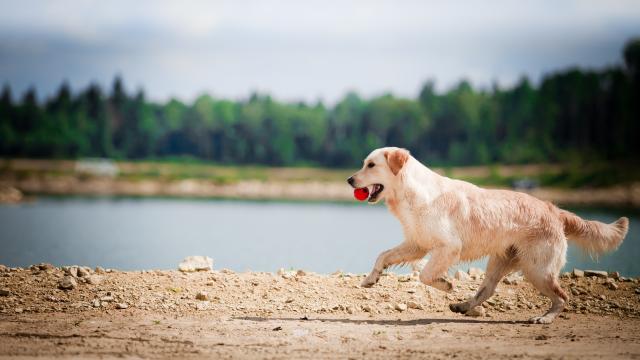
(303, 50)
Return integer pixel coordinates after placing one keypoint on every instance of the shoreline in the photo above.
(49, 312)
(616, 196)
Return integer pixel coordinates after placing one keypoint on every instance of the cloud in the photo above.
(303, 50)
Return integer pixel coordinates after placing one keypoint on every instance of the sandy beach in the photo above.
(106, 313)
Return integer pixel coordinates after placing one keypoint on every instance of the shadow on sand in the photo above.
(396, 322)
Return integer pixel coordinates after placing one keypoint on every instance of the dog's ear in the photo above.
(396, 159)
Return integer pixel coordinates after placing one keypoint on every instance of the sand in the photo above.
(223, 314)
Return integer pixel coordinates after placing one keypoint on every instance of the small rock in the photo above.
(401, 307)
(46, 266)
(67, 283)
(462, 276)
(288, 275)
(202, 295)
(3, 268)
(107, 298)
(94, 279)
(351, 309)
(596, 273)
(71, 270)
(577, 273)
(10, 195)
(542, 337)
(202, 306)
(513, 279)
(414, 305)
(367, 308)
(637, 290)
(611, 284)
(122, 305)
(96, 303)
(100, 270)
(475, 273)
(19, 310)
(476, 311)
(614, 275)
(5, 292)
(196, 263)
(84, 271)
(301, 273)
(277, 328)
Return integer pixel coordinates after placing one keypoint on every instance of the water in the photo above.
(138, 234)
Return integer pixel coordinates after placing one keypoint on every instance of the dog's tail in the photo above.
(594, 236)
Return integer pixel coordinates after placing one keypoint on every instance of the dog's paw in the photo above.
(461, 308)
(367, 282)
(443, 284)
(545, 319)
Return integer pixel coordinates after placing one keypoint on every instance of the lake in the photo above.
(135, 234)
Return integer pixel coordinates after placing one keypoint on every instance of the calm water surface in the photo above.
(261, 236)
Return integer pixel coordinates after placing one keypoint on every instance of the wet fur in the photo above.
(458, 221)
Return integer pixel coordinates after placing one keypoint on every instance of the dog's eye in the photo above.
(370, 165)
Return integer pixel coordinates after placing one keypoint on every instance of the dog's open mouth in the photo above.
(376, 189)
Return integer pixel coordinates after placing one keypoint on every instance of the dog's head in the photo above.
(379, 170)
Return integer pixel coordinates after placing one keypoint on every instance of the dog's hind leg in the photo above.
(497, 268)
(543, 274)
(405, 252)
(442, 259)
(541, 269)
(549, 286)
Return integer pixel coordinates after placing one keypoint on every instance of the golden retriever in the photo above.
(458, 221)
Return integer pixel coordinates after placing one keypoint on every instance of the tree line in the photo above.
(589, 115)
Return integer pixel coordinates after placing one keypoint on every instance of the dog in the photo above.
(457, 221)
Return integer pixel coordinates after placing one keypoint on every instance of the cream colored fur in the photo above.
(458, 221)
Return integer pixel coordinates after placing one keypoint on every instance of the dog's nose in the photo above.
(350, 181)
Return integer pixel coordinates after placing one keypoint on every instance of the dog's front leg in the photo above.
(405, 252)
(433, 274)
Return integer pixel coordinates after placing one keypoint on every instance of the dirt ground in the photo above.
(289, 314)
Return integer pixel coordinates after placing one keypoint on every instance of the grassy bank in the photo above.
(547, 175)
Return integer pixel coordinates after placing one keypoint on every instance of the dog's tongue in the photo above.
(361, 193)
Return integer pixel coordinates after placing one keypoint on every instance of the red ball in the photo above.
(361, 193)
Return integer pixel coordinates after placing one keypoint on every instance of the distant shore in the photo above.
(17, 190)
(20, 179)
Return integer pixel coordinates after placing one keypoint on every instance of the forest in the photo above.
(584, 115)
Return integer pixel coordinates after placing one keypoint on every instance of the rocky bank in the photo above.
(85, 312)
